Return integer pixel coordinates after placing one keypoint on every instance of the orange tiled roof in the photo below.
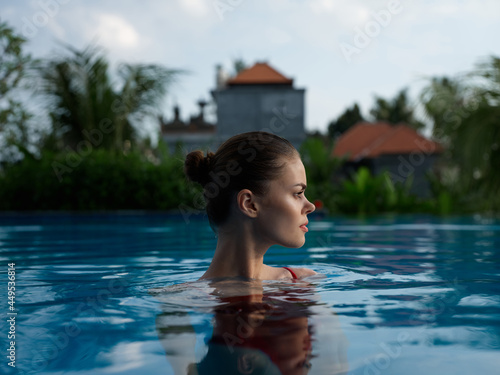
(365, 140)
(260, 74)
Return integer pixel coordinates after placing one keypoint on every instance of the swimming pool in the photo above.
(400, 295)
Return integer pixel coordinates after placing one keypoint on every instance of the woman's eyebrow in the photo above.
(304, 186)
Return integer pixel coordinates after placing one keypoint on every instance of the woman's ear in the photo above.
(247, 203)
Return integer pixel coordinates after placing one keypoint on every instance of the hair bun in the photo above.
(197, 166)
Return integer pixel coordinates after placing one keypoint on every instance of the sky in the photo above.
(340, 51)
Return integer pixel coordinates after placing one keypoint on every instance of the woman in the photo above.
(255, 331)
(254, 188)
(255, 328)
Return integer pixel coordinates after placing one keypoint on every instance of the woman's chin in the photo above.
(295, 244)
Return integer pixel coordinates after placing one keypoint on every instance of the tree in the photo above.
(465, 114)
(239, 65)
(87, 105)
(350, 117)
(14, 64)
(444, 102)
(321, 166)
(397, 110)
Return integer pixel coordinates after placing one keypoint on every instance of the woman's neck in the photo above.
(238, 253)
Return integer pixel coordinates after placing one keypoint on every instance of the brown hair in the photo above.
(245, 161)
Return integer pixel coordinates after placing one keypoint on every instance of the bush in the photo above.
(320, 167)
(367, 194)
(104, 180)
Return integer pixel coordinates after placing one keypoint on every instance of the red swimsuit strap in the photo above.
(294, 276)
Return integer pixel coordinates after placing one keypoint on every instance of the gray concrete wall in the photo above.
(277, 109)
(190, 141)
(403, 167)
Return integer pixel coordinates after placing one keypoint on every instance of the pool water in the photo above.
(100, 294)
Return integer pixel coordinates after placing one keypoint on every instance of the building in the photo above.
(259, 98)
(191, 135)
(397, 149)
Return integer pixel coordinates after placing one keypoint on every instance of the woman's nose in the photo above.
(309, 207)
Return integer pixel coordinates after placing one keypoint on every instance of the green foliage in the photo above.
(350, 117)
(367, 194)
(82, 96)
(13, 61)
(239, 65)
(395, 111)
(320, 167)
(94, 109)
(103, 180)
(362, 194)
(14, 64)
(319, 160)
(465, 112)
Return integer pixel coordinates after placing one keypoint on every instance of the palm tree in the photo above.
(465, 113)
(14, 64)
(84, 98)
(397, 110)
(479, 134)
(346, 120)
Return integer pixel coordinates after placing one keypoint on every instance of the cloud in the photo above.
(300, 38)
(196, 8)
(114, 31)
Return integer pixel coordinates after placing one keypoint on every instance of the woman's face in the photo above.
(283, 211)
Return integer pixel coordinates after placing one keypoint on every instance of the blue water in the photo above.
(399, 295)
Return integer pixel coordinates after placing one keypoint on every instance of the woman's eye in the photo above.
(300, 192)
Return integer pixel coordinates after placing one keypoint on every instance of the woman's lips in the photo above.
(304, 228)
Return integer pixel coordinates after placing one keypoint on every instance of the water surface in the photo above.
(399, 295)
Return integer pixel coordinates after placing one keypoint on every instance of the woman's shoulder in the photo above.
(297, 272)
(303, 272)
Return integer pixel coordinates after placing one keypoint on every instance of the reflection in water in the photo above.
(415, 295)
(258, 328)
